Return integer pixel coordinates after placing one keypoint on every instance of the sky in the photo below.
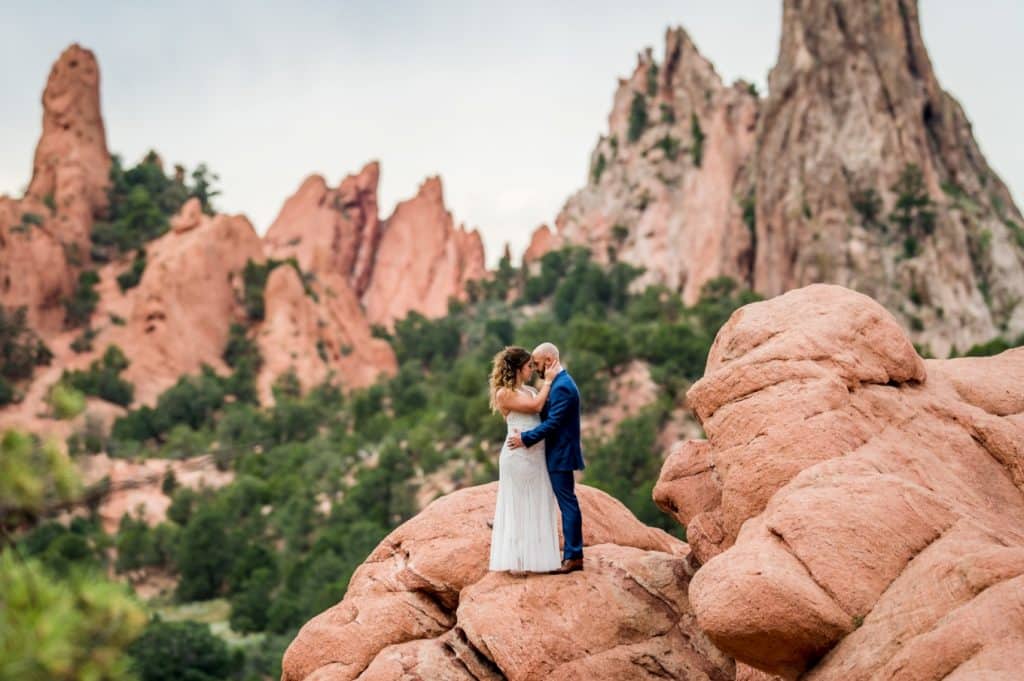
(504, 103)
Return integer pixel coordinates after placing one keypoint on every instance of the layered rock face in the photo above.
(662, 191)
(423, 605)
(854, 103)
(322, 338)
(50, 225)
(423, 259)
(413, 261)
(857, 169)
(331, 230)
(858, 511)
(356, 269)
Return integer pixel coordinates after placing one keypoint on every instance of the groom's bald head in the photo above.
(545, 351)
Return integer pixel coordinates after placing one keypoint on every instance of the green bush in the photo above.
(652, 80)
(637, 117)
(102, 379)
(868, 204)
(21, 351)
(80, 305)
(670, 145)
(668, 114)
(83, 341)
(133, 275)
(254, 281)
(33, 477)
(914, 210)
(598, 169)
(63, 629)
(204, 555)
(176, 651)
(138, 545)
(697, 150)
(141, 201)
(428, 342)
(66, 402)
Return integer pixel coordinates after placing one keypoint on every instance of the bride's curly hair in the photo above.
(507, 364)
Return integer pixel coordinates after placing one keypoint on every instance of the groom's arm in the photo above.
(561, 402)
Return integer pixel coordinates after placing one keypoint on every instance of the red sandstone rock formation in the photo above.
(803, 186)
(72, 163)
(858, 511)
(331, 230)
(424, 606)
(50, 225)
(666, 200)
(422, 259)
(853, 102)
(414, 261)
(541, 241)
(326, 338)
(181, 311)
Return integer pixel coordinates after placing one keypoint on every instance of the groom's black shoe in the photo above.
(569, 565)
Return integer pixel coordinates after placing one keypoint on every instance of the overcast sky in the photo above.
(504, 103)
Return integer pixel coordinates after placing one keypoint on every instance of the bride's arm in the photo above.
(513, 400)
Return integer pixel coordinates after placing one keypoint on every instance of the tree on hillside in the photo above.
(181, 651)
(54, 627)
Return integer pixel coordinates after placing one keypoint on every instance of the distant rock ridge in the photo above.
(357, 268)
(415, 260)
(856, 169)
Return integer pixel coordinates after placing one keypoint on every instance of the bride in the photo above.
(525, 533)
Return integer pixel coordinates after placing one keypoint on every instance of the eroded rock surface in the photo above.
(423, 605)
(859, 511)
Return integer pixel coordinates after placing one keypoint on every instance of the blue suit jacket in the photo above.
(560, 426)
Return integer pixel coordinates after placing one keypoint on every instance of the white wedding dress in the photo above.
(525, 534)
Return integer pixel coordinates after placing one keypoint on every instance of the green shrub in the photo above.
(254, 280)
(33, 477)
(670, 145)
(131, 277)
(697, 149)
(83, 341)
(429, 342)
(64, 629)
(598, 169)
(914, 210)
(668, 114)
(749, 206)
(637, 117)
(172, 651)
(21, 350)
(910, 247)
(67, 403)
(141, 201)
(80, 305)
(868, 204)
(102, 379)
(652, 80)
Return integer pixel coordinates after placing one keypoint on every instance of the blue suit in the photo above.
(560, 430)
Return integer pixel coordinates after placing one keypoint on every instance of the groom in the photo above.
(560, 430)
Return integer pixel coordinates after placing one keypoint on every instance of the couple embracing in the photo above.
(535, 478)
